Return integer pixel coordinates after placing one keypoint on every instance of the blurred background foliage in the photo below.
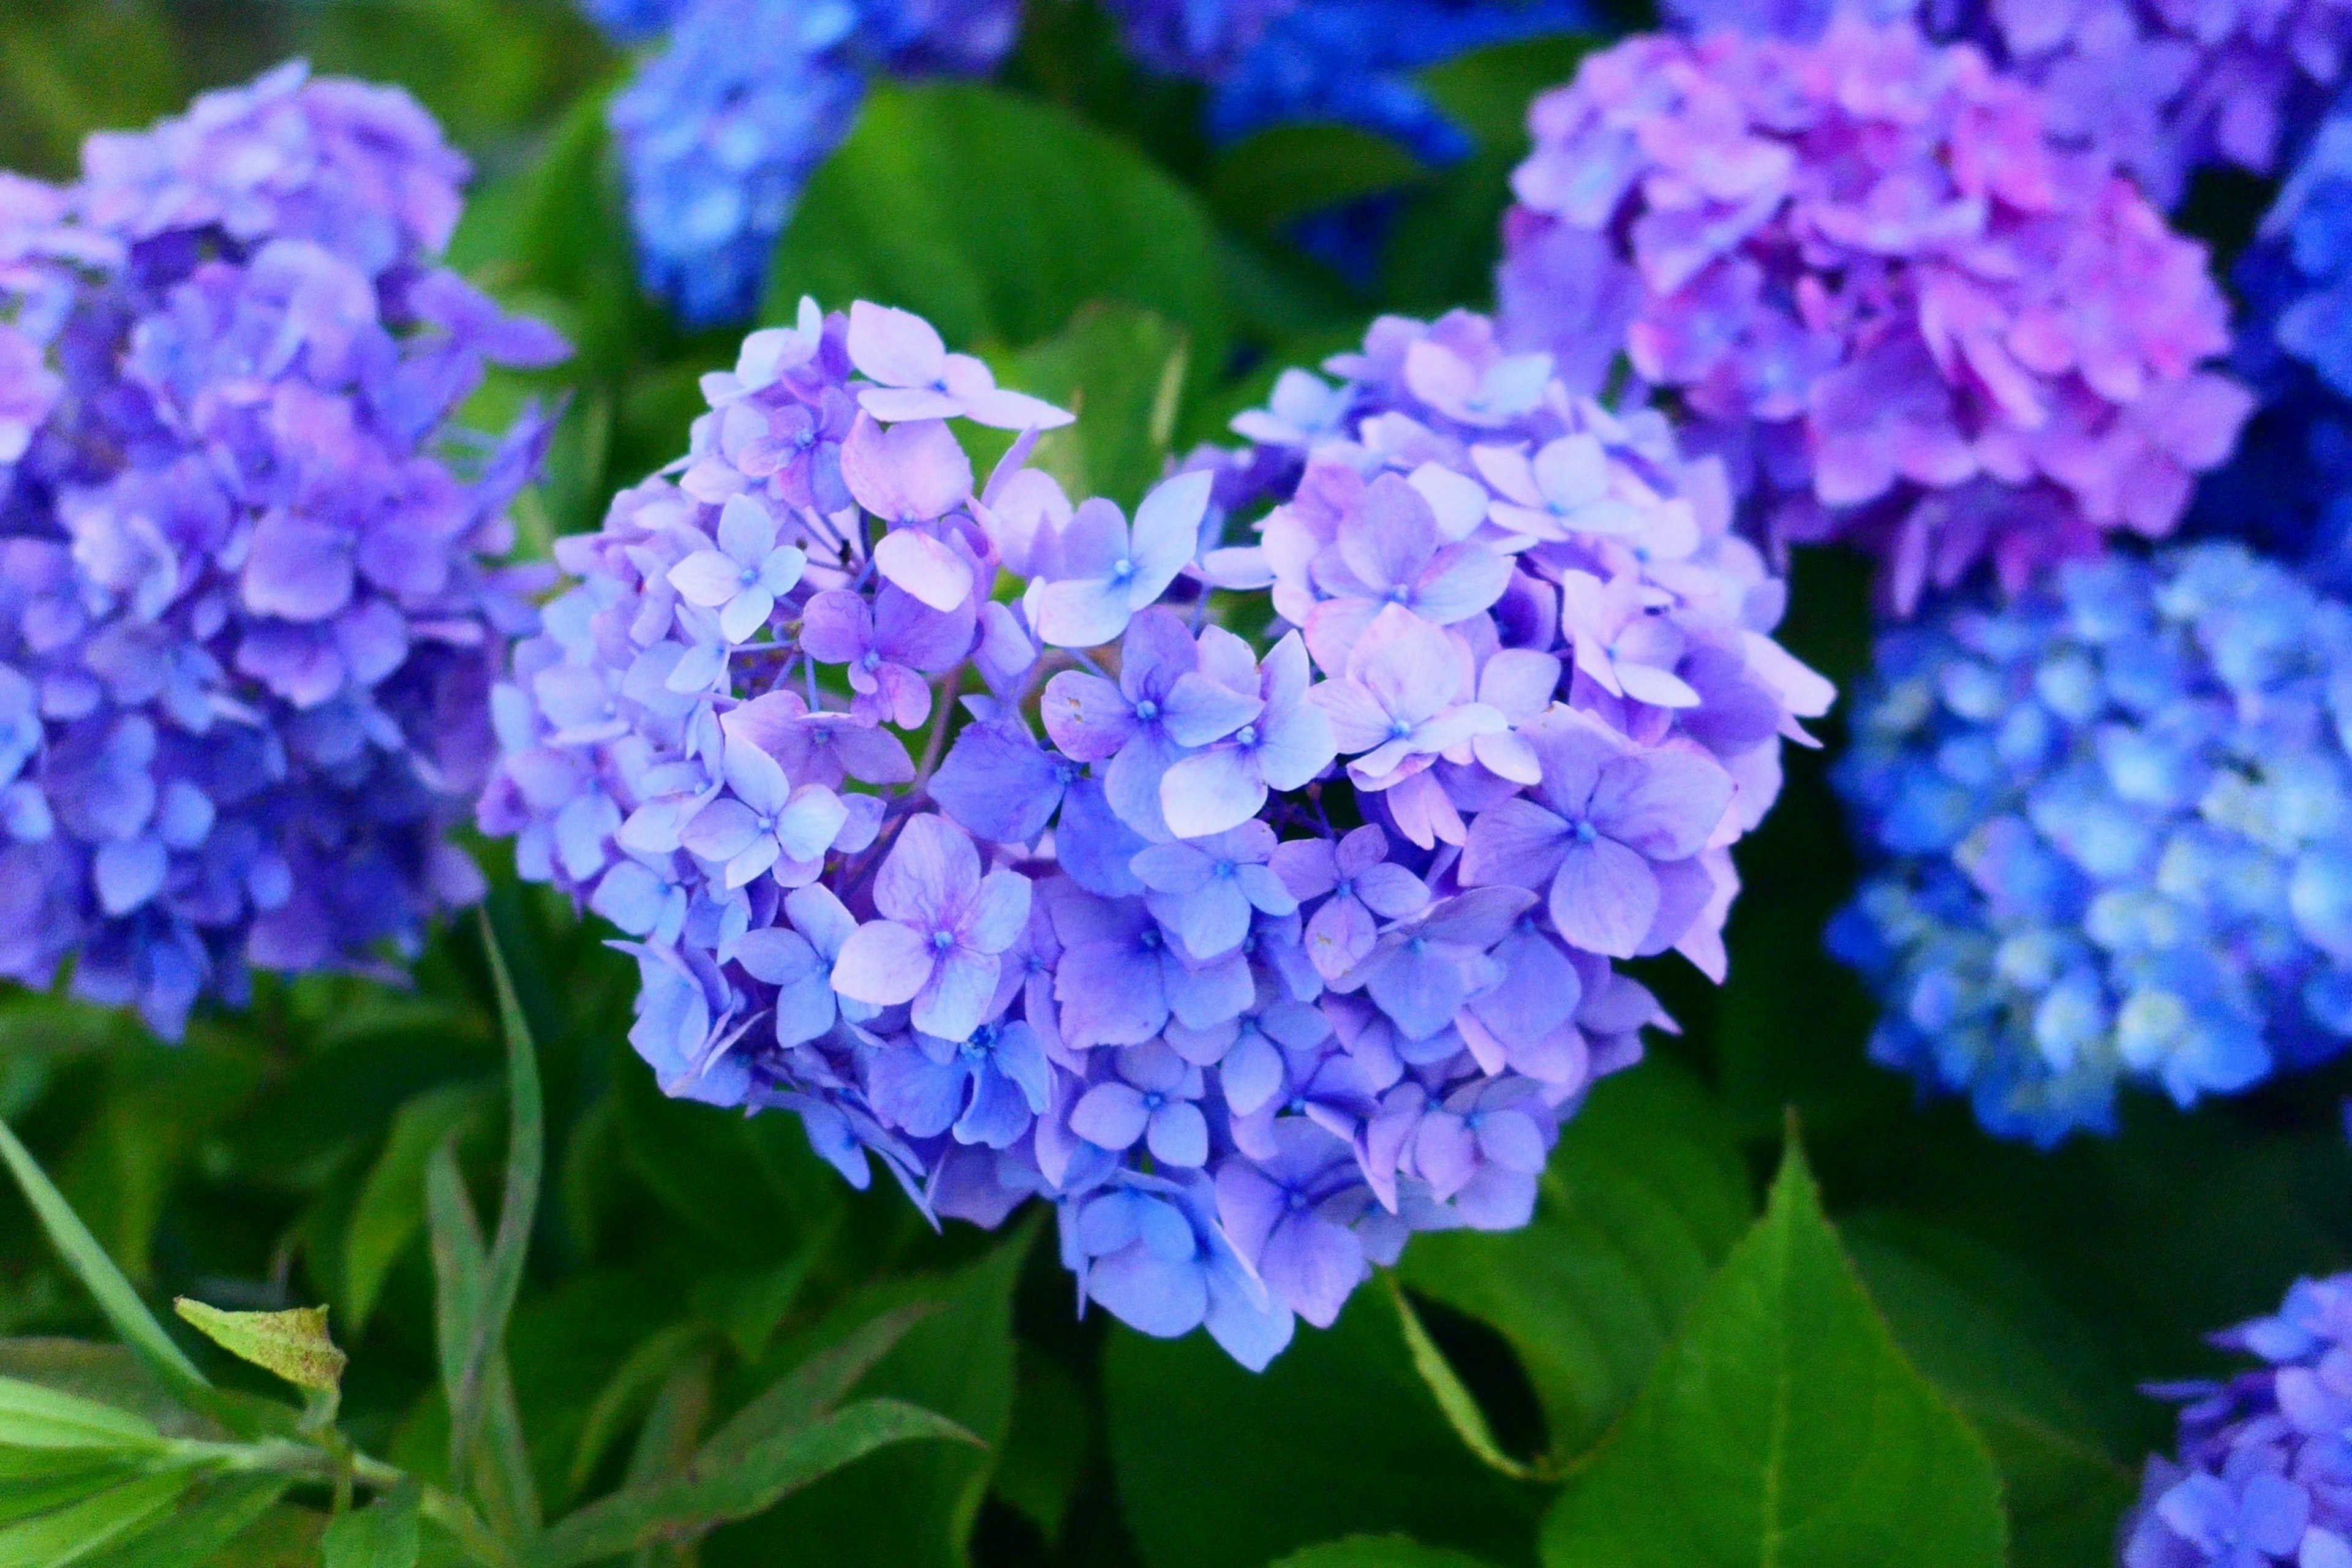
(1073, 224)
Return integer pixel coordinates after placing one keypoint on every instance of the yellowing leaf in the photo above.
(293, 1344)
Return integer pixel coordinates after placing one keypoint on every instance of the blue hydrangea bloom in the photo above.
(633, 21)
(2265, 1456)
(2290, 487)
(250, 609)
(1350, 62)
(720, 130)
(1135, 965)
(2109, 824)
(1200, 39)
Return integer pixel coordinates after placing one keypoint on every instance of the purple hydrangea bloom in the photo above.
(1912, 317)
(1132, 965)
(1201, 38)
(2107, 826)
(2260, 1475)
(720, 130)
(2161, 87)
(250, 612)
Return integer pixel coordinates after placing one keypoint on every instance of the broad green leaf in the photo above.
(1784, 1429)
(32, 1417)
(492, 1303)
(99, 1275)
(750, 1484)
(1222, 1468)
(294, 1344)
(151, 1111)
(199, 1532)
(1121, 369)
(2032, 1383)
(390, 1213)
(1454, 1400)
(80, 1531)
(910, 1507)
(748, 1186)
(1645, 1196)
(39, 1481)
(997, 216)
(384, 1534)
(1378, 1551)
(809, 1392)
(100, 1371)
(1044, 1454)
(1280, 176)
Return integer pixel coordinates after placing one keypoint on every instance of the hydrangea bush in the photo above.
(250, 604)
(2110, 825)
(1263, 955)
(1913, 318)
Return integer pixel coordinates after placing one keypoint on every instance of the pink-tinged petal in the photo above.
(931, 876)
(957, 999)
(719, 831)
(1086, 612)
(1391, 536)
(905, 473)
(1005, 410)
(1335, 626)
(1087, 717)
(1573, 748)
(1358, 721)
(883, 963)
(1603, 898)
(1411, 668)
(1515, 843)
(920, 635)
(1518, 683)
(1000, 911)
(926, 568)
(1210, 793)
(898, 405)
(1461, 582)
(836, 628)
(1455, 725)
(708, 577)
(298, 569)
(1111, 1115)
(896, 348)
(1665, 803)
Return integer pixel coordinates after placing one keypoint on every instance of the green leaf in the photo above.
(1280, 176)
(390, 1213)
(1122, 370)
(77, 1532)
(1454, 1400)
(125, 1311)
(384, 1534)
(1378, 1551)
(493, 1300)
(294, 1344)
(624, 1397)
(199, 1532)
(2032, 1382)
(809, 1392)
(1784, 1428)
(750, 1484)
(1043, 1458)
(32, 1417)
(1222, 1468)
(997, 216)
(499, 1472)
(1644, 1197)
(748, 1186)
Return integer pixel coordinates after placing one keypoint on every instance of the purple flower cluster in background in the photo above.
(1911, 317)
(2162, 86)
(248, 615)
(2264, 1468)
(1259, 957)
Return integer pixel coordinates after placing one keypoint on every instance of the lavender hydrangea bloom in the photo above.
(2109, 822)
(249, 609)
(2160, 86)
(2258, 1476)
(721, 129)
(1132, 965)
(1912, 317)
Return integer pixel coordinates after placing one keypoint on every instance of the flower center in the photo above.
(1585, 832)
(1399, 730)
(1146, 710)
(943, 940)
(1121, 570)
(873, 660)
(1246, 735)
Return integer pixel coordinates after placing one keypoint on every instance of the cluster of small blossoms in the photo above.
(1910, 317)
(721, 129)
(1256, 959)
(2161, 87)
(2290, 486)
(249, 613)
(2264, 1469)
(2111, 819)
(1204, 39)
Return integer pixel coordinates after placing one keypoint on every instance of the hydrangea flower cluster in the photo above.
(1204, 39)
(2111, 819)
(2162, 86)
(249, 613)
(1258, 958)
(720, 130)
(2261, 1474)
(1911, 317)
(2290, 486)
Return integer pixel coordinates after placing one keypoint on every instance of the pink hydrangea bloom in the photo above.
(1911, 317)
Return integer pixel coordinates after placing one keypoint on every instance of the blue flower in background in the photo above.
(633, 21)
(2109, 820)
